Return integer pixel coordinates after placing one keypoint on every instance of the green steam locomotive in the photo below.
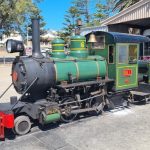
(95, 74)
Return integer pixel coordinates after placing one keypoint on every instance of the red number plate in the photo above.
(127, 72)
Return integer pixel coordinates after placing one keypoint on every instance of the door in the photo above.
(127, 68)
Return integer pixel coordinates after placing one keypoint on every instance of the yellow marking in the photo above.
(55, 71)
(82, 44)
(127, 66)
(58, 51)
(77, 70)
(57, 44)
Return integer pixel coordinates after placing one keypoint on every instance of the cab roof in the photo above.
(122, 37)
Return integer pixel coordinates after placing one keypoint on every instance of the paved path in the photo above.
(5, 81)
(128, 129)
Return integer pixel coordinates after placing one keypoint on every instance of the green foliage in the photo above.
(83, 8)
(90, 18)
(64, 35)
(16, 14)
(69, 22)
(109, 7)
(78, 10)
(72, 14)
(99, 15)
(93, 23)
(122, 4)
(102, 11)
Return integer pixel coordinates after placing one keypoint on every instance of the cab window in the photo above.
(100, 44)
(111, 54)
(123, 53)
(132, 53)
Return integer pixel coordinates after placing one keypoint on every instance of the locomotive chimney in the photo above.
(36, 52)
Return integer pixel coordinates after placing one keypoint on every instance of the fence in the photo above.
(6, 60)
(6, 57)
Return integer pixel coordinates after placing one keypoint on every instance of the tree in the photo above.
(102, 11)
(122, 4)
(99, 15)
(63, 35)
(83, 8)
(16, 14)
(108, 7)
(69, 22)
(72, 14)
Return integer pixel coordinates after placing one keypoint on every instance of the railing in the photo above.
(6, 57)
(6, 60)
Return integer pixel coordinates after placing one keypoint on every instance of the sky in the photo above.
(53, 12)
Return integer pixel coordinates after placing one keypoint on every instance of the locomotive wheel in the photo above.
(96, 102)
(68, 116)
(22, 125)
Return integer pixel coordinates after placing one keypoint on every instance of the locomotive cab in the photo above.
(121, 52)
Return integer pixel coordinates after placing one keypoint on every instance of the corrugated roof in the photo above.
(137, 11)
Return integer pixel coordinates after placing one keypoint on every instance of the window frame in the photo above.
(126, 44)
(144, 47)
(113, 54)
(97, 42)
(122, 44)
(136, 52)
